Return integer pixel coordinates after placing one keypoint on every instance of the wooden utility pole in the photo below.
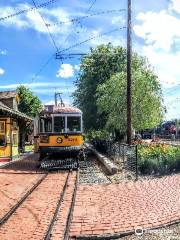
(129, 77)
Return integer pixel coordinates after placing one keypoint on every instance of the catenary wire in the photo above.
(50, 35)
(73, 20)
(66, 49)
(27, 10)
(89, 39)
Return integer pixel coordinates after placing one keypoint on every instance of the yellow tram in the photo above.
(58, 129)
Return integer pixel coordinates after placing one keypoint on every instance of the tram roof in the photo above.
(51, 109)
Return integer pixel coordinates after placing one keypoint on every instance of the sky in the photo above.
(29, 42)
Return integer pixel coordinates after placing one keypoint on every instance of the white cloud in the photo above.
(32, 19)
(158, 29)
(2, 71)
(118, 20)
(161, 36)
(166, 65)
(3, 52)
(66, 71)
(175, 5)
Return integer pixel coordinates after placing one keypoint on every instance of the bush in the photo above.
(99, 139)
(158, 158)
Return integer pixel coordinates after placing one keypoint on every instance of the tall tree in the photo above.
(147, 106)
(95, 69)
(101, 90)
(29, 104)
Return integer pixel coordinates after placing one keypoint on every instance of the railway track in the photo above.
(57, 213)
(5, 218)
(50, 210)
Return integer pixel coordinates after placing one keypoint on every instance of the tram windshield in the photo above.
(73, 124)
(59, 124)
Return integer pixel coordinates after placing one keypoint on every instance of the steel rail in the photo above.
(51, 225)
(71, 209)
(19, 203)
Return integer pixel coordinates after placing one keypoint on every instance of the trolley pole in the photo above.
(129, 76)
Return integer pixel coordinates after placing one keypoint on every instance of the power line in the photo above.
(73, 20)
(89, 39)
(50, 35)
(94, 1)
(74, 55)
(92, 4)
(42, 5)
(66, 49)
(41, 69)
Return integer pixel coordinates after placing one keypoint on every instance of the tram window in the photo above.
(2, 134)
(59, 124)
(46, 125)
(74, 124)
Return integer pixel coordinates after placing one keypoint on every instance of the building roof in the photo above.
(8, 94)
(59, 109)
(8, 111)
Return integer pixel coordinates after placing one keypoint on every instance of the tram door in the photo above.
(15, 140)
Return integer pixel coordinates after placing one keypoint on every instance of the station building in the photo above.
(12, 124)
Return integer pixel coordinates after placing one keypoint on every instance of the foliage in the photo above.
(158, 158)
(96, 68)
(29, 104)
(99, 138)
(98, 135)
(101, 91)
(147, 110)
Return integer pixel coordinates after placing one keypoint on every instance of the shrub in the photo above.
(158, 158)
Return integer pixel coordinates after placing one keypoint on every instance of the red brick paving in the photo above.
(99, 209)
(115, 208)
(13, 187)
(31, 219)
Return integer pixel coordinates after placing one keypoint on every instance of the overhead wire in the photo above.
(41, 69)
(66, 49)
(42, 5)
(75, 45)
(73, 20)
(92, 4)
(50, 35)
(89, 39)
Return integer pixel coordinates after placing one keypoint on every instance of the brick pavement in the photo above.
(31, 219)
(99, 210)
(13, 187)
(116, 208)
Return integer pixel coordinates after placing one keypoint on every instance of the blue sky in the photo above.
(25, 45)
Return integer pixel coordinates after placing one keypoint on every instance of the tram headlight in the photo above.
(44, 138)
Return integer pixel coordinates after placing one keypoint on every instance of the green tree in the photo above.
(101, 90)
(147, 106)
(29, 104)
(95, 69)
